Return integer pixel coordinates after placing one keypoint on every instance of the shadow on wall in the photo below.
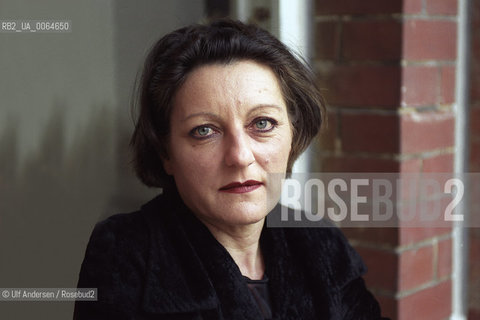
(49, 205)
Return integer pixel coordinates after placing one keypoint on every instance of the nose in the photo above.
(238, 151)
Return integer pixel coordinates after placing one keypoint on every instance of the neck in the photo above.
(243, 244)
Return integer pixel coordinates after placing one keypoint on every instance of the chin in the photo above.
(246, 216)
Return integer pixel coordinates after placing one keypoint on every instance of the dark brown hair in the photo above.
(175, 55)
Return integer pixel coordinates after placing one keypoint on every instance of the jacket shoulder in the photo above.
(329, 253)
(125, 236)
(114, 263)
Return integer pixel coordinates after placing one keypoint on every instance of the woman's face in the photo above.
(229, 129)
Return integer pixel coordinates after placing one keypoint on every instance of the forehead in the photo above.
(219, 86)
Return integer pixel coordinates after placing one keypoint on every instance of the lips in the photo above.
(241, 187)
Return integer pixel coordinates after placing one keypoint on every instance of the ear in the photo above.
(167, 163)
(167, 166)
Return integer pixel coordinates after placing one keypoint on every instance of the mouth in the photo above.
(241, 187)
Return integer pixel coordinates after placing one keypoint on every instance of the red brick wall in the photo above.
(474, 291)
(387, 69)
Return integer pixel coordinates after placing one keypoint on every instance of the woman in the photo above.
(222, 107)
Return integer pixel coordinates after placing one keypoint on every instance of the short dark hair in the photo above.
(176, 54)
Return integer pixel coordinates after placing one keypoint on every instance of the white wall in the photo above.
(64, 127)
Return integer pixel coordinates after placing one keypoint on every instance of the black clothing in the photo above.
(163, 263)
(260, 292)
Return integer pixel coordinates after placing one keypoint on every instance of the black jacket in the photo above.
(163, 263)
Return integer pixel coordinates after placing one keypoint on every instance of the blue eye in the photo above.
(261, 124)
(201, 132)
(264, 124)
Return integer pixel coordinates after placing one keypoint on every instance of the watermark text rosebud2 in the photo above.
(374, 200)
(48, 294)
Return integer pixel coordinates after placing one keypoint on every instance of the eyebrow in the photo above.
(216, 117)
(263, 106)
(198, 114)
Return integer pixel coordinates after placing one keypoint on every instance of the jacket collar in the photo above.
(175, 280)
(188, 270)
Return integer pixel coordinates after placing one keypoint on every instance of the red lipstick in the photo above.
(241, 187)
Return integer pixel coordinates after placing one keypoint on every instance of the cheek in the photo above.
(193, 162)
(191, 177)
(275, 155)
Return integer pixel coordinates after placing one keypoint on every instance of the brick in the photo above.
(372, 40)
(370, 133)
(419, 86)
(475, 122)
(475, 207)
(371, 164)
(426, 131)
(475, 15)
(429, 40)
(473, 313)
(447, 86)
(411, 166)
(388, 305)
(356, 164)
(416, 268)
(476, 12)
(441, 7)
(475, 53)
(408, 235)
(475, 38)
(444, 263)
(475, 82)
(361, 86)
(384, 236)
(327, 40)
(475, 233)
(382, 268)
(474, 271)
(474, 189)
(329, 132)
(475, 203)
(475, 21)
(475, 156)
(424, 212)
(440, 163)
(412, 6)
(358, 7)
(474, 253)
(430, 304)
